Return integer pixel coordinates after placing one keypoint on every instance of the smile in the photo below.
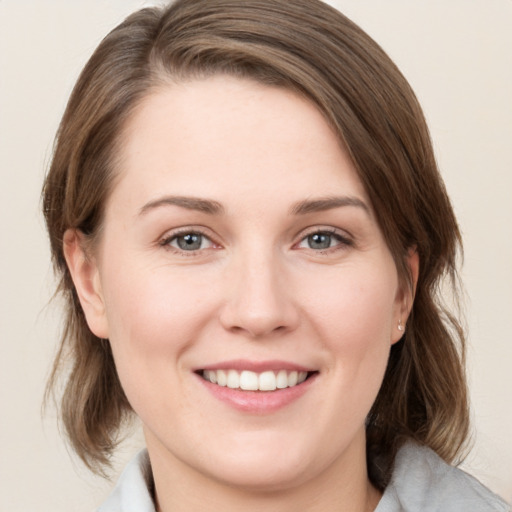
(251, 381)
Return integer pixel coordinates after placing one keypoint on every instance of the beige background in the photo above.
(457, 55)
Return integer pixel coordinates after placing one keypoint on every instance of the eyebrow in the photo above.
(212, 207)
(190, 203)
(327, 203)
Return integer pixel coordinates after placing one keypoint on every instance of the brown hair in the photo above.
(311, 48)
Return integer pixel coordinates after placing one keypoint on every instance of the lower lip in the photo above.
(258, 402)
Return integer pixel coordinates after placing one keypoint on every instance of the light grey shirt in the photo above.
(421, 482)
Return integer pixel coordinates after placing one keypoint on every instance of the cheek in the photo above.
(153, 304)
(354, 319)
(355, 308)
(153, 319)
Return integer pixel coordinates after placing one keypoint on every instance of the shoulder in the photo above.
(132, 491)
(422, 481)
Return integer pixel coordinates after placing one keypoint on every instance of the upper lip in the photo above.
(257, 366)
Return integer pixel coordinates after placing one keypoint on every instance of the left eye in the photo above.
(189, 241)
(321, 241)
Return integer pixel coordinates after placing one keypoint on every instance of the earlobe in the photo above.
(85, 274)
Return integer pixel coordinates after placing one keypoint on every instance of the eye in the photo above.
(322, 240)
(188, 241)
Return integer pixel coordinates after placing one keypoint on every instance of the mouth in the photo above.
(257, 387)
(246, 380)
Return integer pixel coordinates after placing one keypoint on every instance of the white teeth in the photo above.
(282, 379)
(222, 378)
(249, 381)
(267, 381)
(233, 379)
(252, 381)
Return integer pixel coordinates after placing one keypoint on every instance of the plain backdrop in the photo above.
(457, 54)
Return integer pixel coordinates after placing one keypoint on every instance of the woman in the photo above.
(250, 228)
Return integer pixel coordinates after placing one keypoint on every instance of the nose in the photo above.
(259, 302)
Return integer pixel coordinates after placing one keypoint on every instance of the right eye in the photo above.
(187, 241)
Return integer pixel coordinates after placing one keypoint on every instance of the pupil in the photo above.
(319, 241)
(189, 242)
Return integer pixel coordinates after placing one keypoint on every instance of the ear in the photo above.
(405, 296)
(86, 278)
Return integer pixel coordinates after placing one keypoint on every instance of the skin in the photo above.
(256, 289)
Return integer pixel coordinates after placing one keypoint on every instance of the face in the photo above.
(245, 287)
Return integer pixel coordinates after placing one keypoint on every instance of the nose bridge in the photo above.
(260, 301)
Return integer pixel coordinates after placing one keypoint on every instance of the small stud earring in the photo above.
(400, 326)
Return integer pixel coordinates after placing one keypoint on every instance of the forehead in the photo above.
(231, 138)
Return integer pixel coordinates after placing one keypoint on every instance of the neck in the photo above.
(180, 488)
(277, 501)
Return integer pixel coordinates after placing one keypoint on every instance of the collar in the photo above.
(421, 482)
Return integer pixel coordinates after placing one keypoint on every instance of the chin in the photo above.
(270, 473)
(267, 461)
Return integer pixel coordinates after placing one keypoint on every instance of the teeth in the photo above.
(282, 379)
(267, 381)
(251, 381)
(222, 378)
(301, 377)
(233, 379)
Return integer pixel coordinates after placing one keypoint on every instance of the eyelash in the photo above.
(343, 241)
(167, 240)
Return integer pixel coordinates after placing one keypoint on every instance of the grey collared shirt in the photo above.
(421, 482)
